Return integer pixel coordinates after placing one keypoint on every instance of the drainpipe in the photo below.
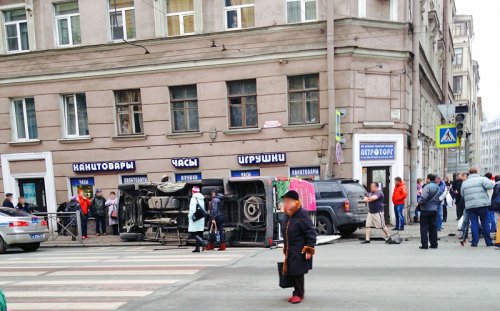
(415, 115)
(446, 39)
(330, 51)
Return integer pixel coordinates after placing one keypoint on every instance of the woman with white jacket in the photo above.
(197, 227)
(112, 205)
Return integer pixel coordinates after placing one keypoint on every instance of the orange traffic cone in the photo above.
(497, 235)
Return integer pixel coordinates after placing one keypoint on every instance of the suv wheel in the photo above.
(3, 246)
(347, 231)
(31, 247)
(324, 225)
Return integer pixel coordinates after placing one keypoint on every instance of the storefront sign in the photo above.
(376, 151)
(108, 166)
(185, 162)
(187, 177)
(262, 158)
(305, 172)
(75, 182)
(134, 179)
(247, 173)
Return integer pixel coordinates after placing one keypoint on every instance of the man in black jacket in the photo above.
(98, 210)
(300, 239)
(8, 201)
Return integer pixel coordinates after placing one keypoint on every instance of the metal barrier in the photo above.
(63, 224)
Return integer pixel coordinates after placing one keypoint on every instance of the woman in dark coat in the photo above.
(300, 239)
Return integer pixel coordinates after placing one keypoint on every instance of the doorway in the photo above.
(33, 190)
(382, 176)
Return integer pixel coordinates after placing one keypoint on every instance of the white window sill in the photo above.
(74, 140)
(130, 137)
(17, 52)
(242, 131)
(184, 135)
(25, 142)
(308, 126)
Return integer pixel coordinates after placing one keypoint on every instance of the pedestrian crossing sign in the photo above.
(446, 136)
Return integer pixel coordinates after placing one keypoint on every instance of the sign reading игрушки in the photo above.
(376, 151)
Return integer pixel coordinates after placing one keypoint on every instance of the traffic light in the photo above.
(460, 123)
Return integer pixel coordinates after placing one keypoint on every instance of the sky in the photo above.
(485, 15)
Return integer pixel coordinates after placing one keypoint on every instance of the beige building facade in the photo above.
(209, 89)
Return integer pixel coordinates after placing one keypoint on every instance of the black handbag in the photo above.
(285, 281)
(200, 212)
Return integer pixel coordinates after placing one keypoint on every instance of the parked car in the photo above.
(339, 206)
(19, 229)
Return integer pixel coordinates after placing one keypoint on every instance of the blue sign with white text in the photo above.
(377, 151)
(246, 173)
(187, 177)
(313, 171)
(262, 158)
(108, 166)
(75, 182)
(134, 179)
(185, 162)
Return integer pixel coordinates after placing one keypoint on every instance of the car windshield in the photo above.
(9, 212)
(354, 188)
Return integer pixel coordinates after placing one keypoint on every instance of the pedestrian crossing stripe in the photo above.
(446, 136)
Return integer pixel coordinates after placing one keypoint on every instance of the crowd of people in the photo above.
(21, 205)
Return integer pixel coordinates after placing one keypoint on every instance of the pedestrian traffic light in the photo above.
(460, 122)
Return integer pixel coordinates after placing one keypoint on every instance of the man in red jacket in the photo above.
(84, 204)
(398, 199)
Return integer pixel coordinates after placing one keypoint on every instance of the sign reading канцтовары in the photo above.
(108, 166)
(376, 151)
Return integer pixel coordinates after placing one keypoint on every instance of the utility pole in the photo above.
(330, 54)
(446, 69)
(415, 116)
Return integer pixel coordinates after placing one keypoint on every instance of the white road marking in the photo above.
(61, 294)
(21, 273)
(66, 305)
(168, 259)
(93, 281)
(108, 266)
(4, 282)
(23, 262)
(123, 272)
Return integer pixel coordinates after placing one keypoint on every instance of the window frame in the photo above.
(458, 91)
(65, 120)
(130, 112)
(303, 91)
(302, 11)
(181, 16)
(185, 101)
(121, 11)
(15, 135)
(237, 8)
(243, 105)
(18, 31)
(393, 10)
(67, 17)
(455, 62)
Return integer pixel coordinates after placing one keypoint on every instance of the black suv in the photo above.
(340, 208)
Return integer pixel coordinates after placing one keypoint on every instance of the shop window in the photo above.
(75, 115)
(85, 184)
(122, 19)
(180, 17)
(16, 30)
(184, 105)
(239, 14)
(298, 11)
(129, 112)
(24, 118)
(303, 99)
(68, 23)
(242, 98)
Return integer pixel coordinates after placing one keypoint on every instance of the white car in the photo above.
(19, 229)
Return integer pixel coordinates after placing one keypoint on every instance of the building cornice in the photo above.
(359, 51)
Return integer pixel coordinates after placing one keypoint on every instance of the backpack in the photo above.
(3, 302)
(495, 199)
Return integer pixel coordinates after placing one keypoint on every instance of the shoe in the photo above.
(296, 299)
(473, 245)
(222, 247)
(83, 237)
(434, 247)
(395, 229)
(290, 299)
(196, 250)
(423, 247)
(490, 245)
(209, 247)
(401, 229)
(366, 242)
(98, 234)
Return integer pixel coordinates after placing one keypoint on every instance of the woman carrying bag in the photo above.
(197, 222)
(300, 238)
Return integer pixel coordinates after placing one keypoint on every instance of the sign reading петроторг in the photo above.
(376, 151)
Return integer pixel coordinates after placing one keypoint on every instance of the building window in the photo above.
(68, 23)
(180, 17)
(301, 11)
(458, 56)
(16, 30)
(184, 103)
(24, 119)
(122, 19)
(239, 14)
(303, 99)
(129, 112)
(378, 9)
(457, 84)
(461, 29)
(242, 97)
(75, 115)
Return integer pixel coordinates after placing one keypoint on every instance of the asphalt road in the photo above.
(346, 276)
